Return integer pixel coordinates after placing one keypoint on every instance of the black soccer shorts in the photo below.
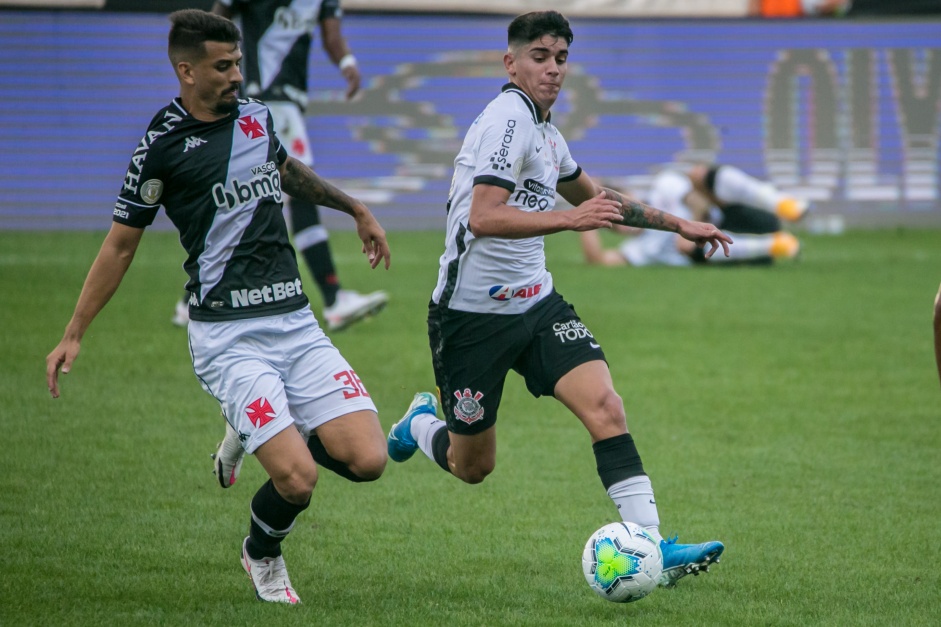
(473, 352)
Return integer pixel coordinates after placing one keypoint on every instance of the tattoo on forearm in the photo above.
(638, 214)
(302, 182)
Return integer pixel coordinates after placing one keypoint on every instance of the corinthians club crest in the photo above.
(468, 408)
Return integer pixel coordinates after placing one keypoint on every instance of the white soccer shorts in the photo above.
(292, 130)
(275, 372)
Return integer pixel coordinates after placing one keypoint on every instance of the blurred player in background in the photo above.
(216, 165)
(494, 307)
(277, 40)
(749, 209)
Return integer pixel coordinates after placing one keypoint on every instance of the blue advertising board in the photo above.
(845, 113)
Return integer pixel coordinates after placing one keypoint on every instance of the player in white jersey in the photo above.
(743, 206)
(215, 164)
(495, 308)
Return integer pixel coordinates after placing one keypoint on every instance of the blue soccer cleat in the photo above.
(680, 560)
(401, 444)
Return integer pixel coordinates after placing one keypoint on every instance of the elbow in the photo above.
(477, 226)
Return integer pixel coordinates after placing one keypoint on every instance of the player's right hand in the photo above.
(61, 357)
(599, 212)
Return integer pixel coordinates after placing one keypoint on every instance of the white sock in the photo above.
(745, 247)
(635, 501)
(734, 186)
(424, 428)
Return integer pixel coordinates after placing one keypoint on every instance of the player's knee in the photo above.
(473, 473)
(607, 416)
(369, 466)
(297, 485)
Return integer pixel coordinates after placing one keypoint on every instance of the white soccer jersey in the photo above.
(652, 247)
(509, 145)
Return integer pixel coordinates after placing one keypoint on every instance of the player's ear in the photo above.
(184, 72)
(509, 62)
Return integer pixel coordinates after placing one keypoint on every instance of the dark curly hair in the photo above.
(531, 26)
(192, 28)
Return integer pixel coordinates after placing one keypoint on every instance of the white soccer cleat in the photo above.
(181, 314)
(269, 578)
(227, 460)
(352, 307)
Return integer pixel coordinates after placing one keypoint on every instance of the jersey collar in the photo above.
(533, 109)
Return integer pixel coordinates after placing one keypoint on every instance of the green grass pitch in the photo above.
(790, 411)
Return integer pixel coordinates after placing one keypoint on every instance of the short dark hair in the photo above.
(192, 28)
(531, 26)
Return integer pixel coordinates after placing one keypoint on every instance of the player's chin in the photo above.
(227, 104)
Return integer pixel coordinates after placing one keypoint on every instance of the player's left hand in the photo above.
(702, 233)
(351, 74)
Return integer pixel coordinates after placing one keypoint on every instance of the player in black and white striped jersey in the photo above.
(277, 38)
(216, 165)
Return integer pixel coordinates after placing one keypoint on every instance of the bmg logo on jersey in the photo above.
(571, 331)
(238, 193)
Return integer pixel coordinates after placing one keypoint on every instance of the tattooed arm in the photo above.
(635, 213)
(300, 181)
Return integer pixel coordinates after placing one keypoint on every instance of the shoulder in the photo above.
(506, 111)
(251, 105)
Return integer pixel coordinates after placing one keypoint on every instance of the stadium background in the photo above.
(843, 111)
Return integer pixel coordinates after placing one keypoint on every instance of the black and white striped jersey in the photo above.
(277, 35)
(220, 186)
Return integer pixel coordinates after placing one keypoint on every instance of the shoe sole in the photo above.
(694, 568)
(217, 468)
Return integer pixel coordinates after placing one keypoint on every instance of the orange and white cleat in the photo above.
(791, 209)
(784, 246)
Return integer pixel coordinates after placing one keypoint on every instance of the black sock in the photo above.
(440, 443)
(323, 459)
(617, 459)
(272, 520)
(320, 262)
(304, 216)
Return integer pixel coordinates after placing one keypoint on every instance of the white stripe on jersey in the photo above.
(228, 225)
(294, 21)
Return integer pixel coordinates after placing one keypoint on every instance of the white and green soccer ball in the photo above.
(622, 562)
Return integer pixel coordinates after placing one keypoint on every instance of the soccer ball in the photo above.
(622, 562)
